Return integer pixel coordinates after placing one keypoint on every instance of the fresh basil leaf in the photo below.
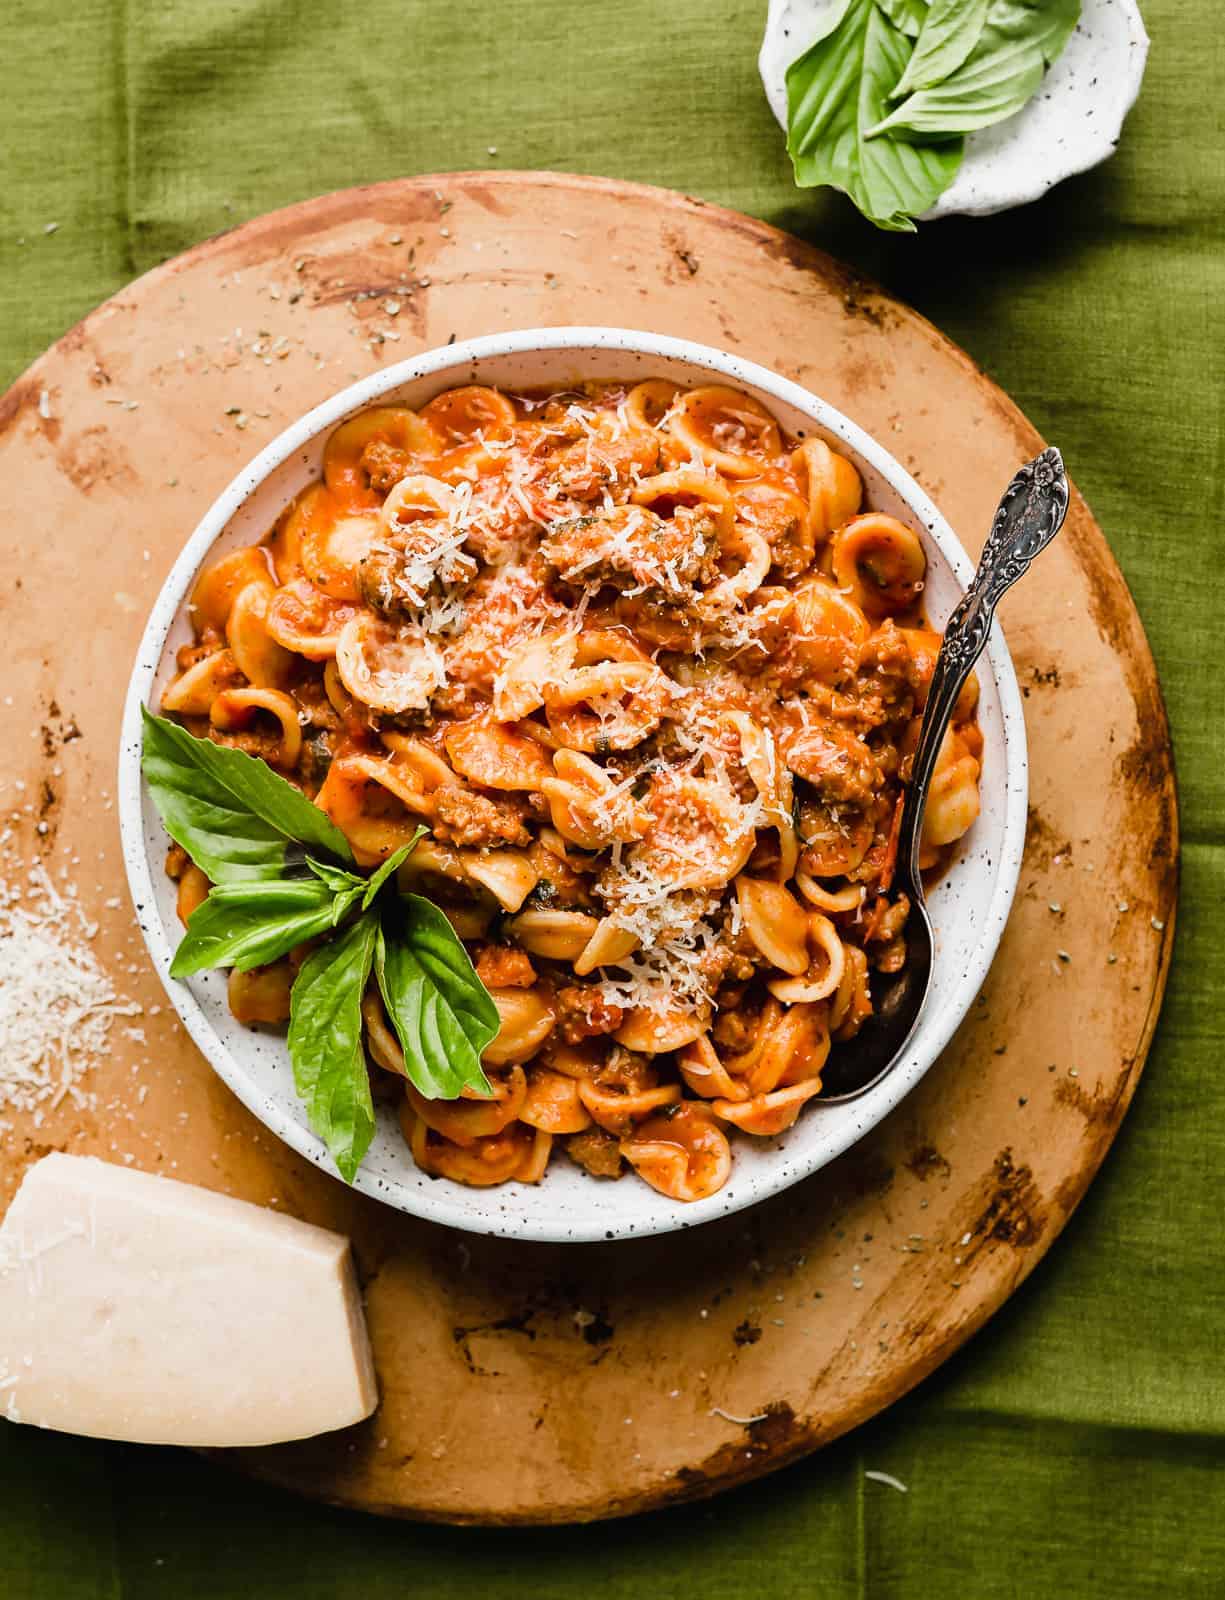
(949, 33)
(246, 925)
(908, 15)
(336, 878)
(1048, 23)
(835, 92)
(442, 1013)
(1020, 39)
(345, 902)
(378, 878)
(232, 814)
(325, 1043)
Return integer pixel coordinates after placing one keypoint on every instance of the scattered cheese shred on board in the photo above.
(56, 1002)
(888, 1480)
(740, 1422)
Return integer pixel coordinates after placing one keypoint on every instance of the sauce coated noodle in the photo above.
(651, 673)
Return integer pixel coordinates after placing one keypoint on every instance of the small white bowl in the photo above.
(969, 906)
(1071, 124)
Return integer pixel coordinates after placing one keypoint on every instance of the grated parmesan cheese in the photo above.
(668, 976)
(56, 1002)
(671, 969)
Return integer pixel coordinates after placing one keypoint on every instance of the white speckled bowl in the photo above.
(969, 906)
(1071, 124)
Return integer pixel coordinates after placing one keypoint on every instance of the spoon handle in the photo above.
(1029, 516)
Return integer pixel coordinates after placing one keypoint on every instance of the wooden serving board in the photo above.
(532, 1383)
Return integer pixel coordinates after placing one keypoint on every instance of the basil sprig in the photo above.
(282, 876)
(879, 104)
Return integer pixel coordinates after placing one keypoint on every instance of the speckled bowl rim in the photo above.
(436, 1199)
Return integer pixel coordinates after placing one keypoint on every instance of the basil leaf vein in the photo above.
(325, 1043)
(232, 814)
(441, 1011)
(836, 92)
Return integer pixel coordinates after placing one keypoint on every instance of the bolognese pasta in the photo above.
(651, 675)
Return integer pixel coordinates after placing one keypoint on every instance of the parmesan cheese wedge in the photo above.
(134, 1307)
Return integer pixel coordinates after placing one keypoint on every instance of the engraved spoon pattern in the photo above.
(1029, 516)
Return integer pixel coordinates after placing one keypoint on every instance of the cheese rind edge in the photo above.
(136, 1307)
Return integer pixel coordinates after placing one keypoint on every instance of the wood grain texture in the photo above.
(536, 1383)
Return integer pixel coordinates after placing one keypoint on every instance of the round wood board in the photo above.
(532, 1383)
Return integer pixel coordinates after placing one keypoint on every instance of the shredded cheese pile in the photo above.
(668, 972)
(669, 976)
(56, 1002)
(437, 573)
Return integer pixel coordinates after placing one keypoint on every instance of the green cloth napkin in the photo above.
(1074, 1449)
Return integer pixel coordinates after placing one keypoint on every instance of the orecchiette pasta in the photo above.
(384, 668)
(726, 430)
(306, 622)
(528, 1018)
(219, 585)
(685, 1156)
(232, 709)
(953, 798)
(554, 1103)
(193, 891)
(193, 692)
(262, 995)
(261, 659)
(651, 675)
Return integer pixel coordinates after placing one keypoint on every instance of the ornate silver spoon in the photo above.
(1029, 516)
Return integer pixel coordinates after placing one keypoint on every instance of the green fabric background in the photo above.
(1075, 1448)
